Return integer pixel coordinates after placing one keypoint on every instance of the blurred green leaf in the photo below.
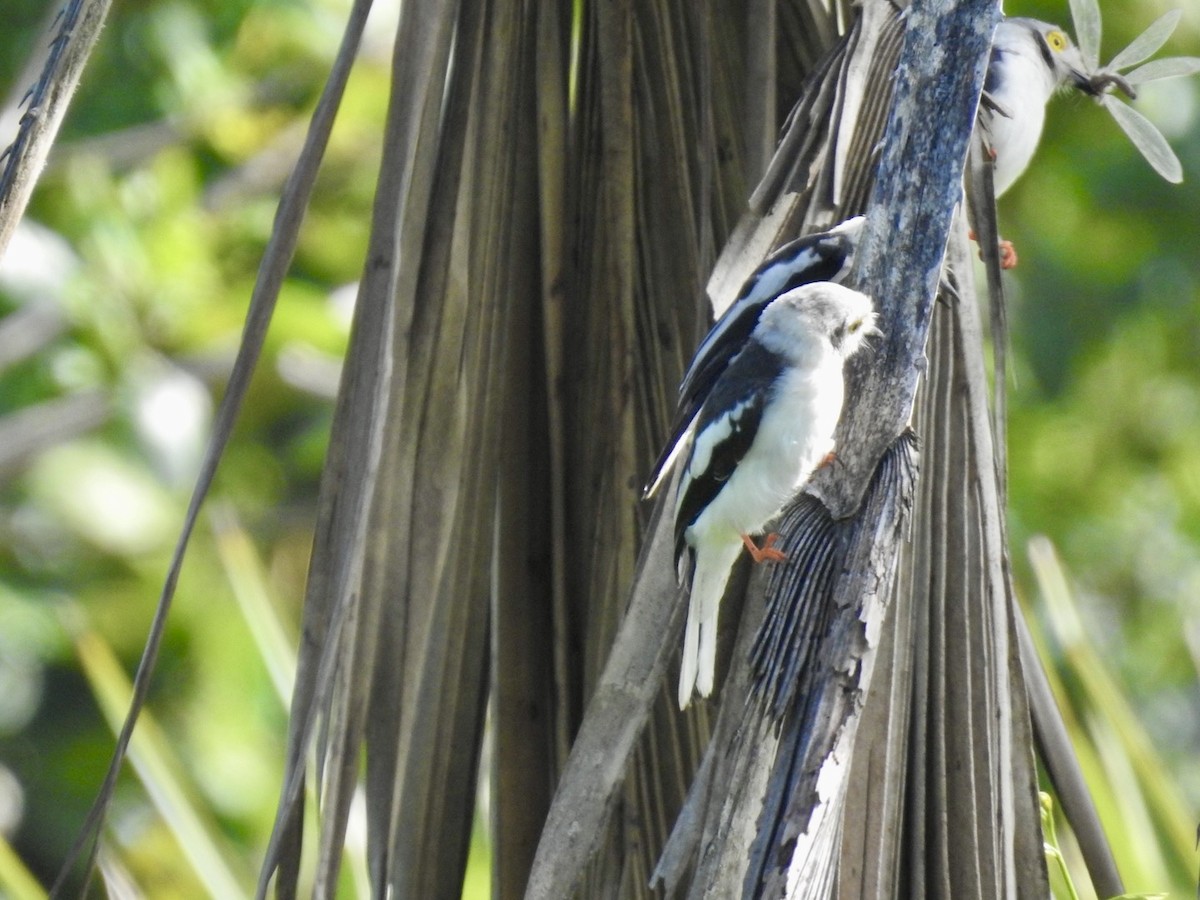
(158, 770)
(17, 881)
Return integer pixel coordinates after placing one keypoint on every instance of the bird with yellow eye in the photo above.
(1030, 61)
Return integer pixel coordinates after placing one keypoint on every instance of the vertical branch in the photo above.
(918, 185)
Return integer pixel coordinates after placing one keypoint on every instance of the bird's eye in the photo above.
(855, 325)
(1057, 41)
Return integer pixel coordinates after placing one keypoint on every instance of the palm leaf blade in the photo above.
(1148, 42)
(1147, 138)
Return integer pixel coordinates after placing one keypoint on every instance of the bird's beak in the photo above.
(1094, 84)
(1078, 75)
(1099, 83)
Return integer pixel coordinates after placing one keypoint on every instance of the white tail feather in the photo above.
(714, 560)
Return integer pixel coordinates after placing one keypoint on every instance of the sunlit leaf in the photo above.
(1086, 16)
(1158, 69)
(1147, 138)
(15, 879)
(1136, 791)
(244, 570)
(1148, 42)
(157, 765)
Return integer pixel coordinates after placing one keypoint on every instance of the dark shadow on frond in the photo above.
(797, 604)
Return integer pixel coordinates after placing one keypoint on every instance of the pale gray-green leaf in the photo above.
(1147, 138)
(1158, 69)
(1086, 16)
(1146, 44)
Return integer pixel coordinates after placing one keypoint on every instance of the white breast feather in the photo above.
(1015, 137)
(795, 433)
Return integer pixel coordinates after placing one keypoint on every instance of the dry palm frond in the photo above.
(76, 27)
(929, 772)
(399, 583)
(551, 196)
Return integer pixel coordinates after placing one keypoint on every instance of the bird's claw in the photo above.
(765, 553)
(1008, 255)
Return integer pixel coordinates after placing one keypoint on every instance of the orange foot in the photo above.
(828, 459)
(1008, 255)
(766, 553)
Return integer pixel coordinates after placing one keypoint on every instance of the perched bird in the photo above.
(1030, 61)
(763, 428)
(824, 256)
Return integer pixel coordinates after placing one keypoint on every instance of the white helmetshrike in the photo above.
(1030, 61)
(824, 256)
(761, 431)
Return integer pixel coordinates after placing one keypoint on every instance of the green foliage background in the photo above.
(153, 214)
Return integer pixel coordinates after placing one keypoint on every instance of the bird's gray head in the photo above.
(823, 311)
(1047, 46)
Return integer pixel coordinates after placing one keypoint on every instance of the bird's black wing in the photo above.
(815, 257)
(812, 258)
(728, 423)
